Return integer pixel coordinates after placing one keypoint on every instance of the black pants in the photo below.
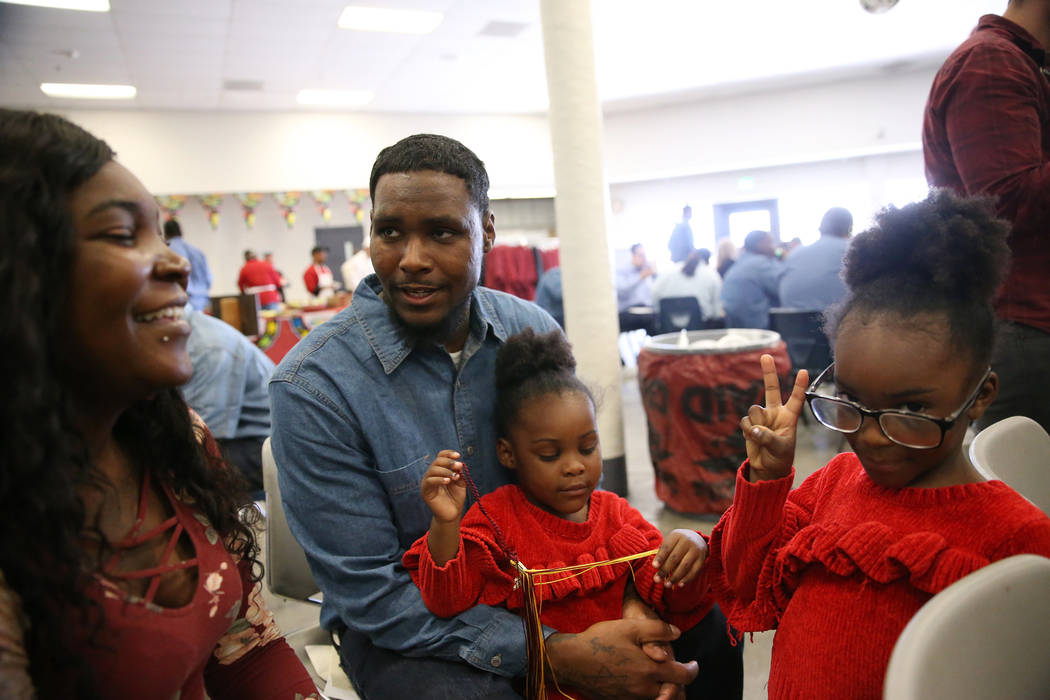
(246, 455)
(1022, 361)
(379, 674)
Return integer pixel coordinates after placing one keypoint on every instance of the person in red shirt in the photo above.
(128, 567)
(987, 131)
(320, 282)
(259, 277)
(839, 565)
(553, 517)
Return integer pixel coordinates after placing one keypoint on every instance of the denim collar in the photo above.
(392, 343)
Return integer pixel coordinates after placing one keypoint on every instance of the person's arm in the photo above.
(15, 681)
(241, 282)
(216, 389)
(252, 660)
(341, 515)
(310, 280)
(993, 125)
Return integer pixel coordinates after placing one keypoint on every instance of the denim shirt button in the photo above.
(496, 660)
(470, 451)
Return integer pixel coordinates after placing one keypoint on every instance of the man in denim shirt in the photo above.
(363, 404)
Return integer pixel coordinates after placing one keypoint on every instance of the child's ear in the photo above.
(985, 397)
(505, 453)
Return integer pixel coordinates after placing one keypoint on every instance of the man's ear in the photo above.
(989, 390)
(488, 228)
(506, 454)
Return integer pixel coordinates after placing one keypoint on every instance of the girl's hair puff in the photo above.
(943, 255)
(531, 365)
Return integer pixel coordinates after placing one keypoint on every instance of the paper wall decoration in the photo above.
(249, 200)
(359, 203)
(288, 201)
(170, 204)
(211, 203)
(323, 198)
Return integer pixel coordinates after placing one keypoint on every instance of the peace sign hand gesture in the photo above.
(770, 431)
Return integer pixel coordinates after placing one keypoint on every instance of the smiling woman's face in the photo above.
(127, 332)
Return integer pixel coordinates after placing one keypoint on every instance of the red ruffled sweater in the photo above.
(840, 565)
(481, 573)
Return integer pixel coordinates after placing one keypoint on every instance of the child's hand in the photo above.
(680, 558)
(770, 431)
(443, 488)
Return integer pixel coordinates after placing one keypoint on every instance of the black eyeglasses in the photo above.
(908, 428)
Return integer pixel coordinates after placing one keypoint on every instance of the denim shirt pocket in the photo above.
(411, 514)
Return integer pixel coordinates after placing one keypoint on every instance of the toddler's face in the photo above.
(553, 448)
(882, 362)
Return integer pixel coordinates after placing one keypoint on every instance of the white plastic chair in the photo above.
(1016, 450)
(985, 636)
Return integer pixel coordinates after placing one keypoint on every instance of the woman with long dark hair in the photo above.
(125, 567)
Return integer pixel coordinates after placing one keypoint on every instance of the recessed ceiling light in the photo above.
(85, 5)
(90, 92)
(378, 19)
(334, 98)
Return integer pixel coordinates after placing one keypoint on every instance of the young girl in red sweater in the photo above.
(839, 565)
(553, 516)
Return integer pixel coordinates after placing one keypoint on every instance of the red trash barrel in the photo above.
(694, 395)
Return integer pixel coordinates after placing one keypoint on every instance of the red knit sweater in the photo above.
(840, 565)
(481, 573)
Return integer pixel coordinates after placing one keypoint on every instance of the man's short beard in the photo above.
(440, 332)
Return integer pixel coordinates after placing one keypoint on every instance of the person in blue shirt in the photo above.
(361, 407)
(549, 295)
(811, 274)
(228, 390)
(634, 279)
(200, 275)
(750, 288)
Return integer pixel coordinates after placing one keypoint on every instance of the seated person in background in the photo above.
(749, 289)
(127, 569)
(693, 278)
(811, 277)
(839, 565)
(228, 391)
(200, 275)
(634, 280)
(552, 516)
(549, 295)
(726, 256)
(259, 277)
(361, 407)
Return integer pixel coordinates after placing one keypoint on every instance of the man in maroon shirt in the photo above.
(987, 131)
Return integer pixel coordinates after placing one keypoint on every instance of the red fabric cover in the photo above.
(693, 404)
(840, 565)
(259, 273)
(481, 573)
(511, 269)
(987, 131)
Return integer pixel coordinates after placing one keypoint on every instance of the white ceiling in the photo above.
(179, 53)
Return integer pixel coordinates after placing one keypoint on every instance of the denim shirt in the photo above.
(359, 413)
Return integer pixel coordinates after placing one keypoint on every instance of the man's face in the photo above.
(321, 257)
(638, 257)
(428, 240)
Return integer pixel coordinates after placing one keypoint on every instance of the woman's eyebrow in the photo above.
(129, 205)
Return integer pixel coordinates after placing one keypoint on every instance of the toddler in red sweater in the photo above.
(839, 565)
(553, 517)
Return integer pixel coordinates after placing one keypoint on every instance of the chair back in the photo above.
(287, 573)
(1016, 450)
(802, 331)
(677, 313)
(985, 636)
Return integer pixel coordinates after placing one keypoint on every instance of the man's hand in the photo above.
(607, 661)
(680, 558)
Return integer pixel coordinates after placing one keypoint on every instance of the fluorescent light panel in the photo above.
(89, 92)
(85, 5)
(334, 98)
(377, 19)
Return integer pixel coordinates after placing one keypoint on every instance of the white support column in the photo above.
(581, 204)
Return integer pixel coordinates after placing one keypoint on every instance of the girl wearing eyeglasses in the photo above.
(839, 565)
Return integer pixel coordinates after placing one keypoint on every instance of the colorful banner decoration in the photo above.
(288, 201)
(359, 203)
(323, 198)
(249, 200)
(211, 203)
(171, 203)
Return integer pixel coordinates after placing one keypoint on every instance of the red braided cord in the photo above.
(473, 488)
